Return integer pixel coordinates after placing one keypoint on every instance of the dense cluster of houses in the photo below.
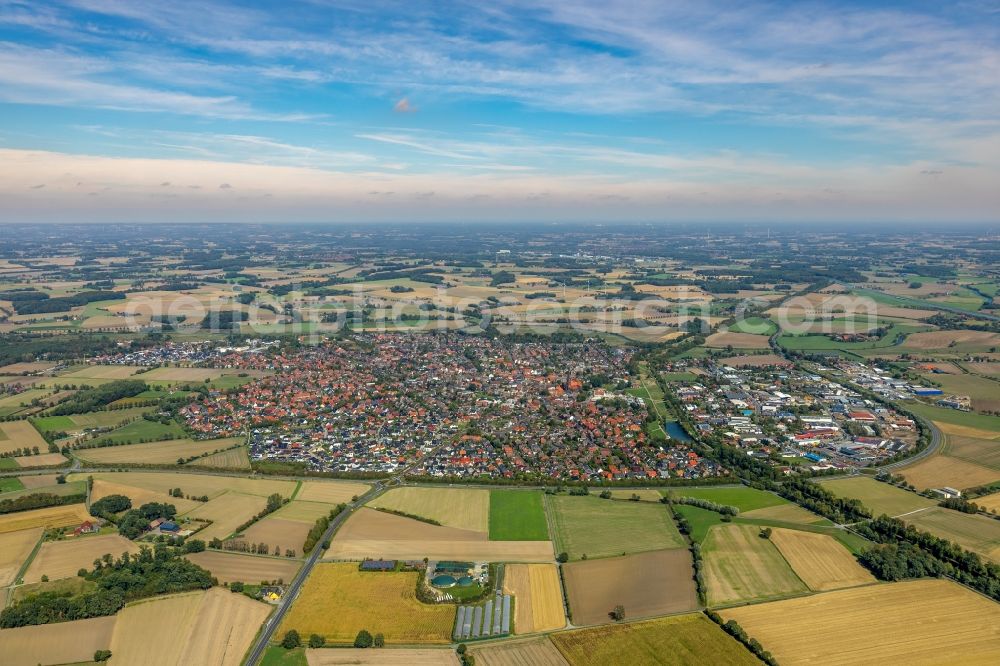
(792, 417)
(447, 405)
(185, 353)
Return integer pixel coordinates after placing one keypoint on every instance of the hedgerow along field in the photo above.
(743, 498)
(603, 528)
(517, 515)
(918, 623)
(337, 601)
(678, 640)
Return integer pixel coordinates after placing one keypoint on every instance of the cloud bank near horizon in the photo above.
(346, 111)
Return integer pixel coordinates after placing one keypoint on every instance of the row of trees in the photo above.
(38, 501)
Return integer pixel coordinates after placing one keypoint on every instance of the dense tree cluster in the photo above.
(38, 501)
(319, 528)
(136, 521)
(109, 505)
(91, 399)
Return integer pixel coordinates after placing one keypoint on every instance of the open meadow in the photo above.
(64, 643)
(227, 512)
(139, 496)
(211, 627)
(253, 569)
(373, 534)
(331, 492)
(974, 532)
(602, 528)
(62, 559)
(820, 560)
(538, 599)
(743, 498)
(739, 565)
(646, 584)
(195, 484)
(338, 600)
(463, 508)
(683, 640)
(918, 623)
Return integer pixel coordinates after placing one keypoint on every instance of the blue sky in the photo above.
(606, 110)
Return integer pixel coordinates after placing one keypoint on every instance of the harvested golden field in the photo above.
(229, 567)
(235, 458)
(989, 502)
(371, 533)
(531, 652)
(279, 532)
(227, 512)
(43, 460)
(21, 368)
(63, 643)
(645, 494)
(737, 340)
(102, 372)
(682, 640)
(464, 508)
(820, 560)
(990, 368)
(53, 516)
(337, 601)
(19, 434)
(538, 597)
(155, 453)
(195, 484)
(62, 559)
(15, 547)
(918, 623)
(182, 374)
(942, 339)
(303, 512)
(212, 627)
(941, 470)
(788, 513)
(139, 496)
(646, 584)
(383, 657)
(740, 566)
(332, 492)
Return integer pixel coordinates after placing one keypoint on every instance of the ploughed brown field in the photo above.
(646, 584)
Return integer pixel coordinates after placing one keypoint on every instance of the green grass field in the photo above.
(755, 325)
(823, 343)
(670, 641)
(679, 376)
(743, 498)
(10, 484)
(740, 566)
(145, 430)
(877, 496)
(603, 528)
(54, 424)
(279, 656)
(61, 489)
(8, 463)
(517, 515)
(977, 533)
(955, 417)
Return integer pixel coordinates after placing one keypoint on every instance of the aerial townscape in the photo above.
(565, 333)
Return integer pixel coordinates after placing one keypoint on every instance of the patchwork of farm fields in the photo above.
(533, 652)
(159, 453)
(462, 508)
(819, 560)
(227, 512)
(537, 595)
(739, 565)
(977, 533)
(601, 528)
(646, 584)
(919, 623)
(673, 641)
(196, 484)
(881, 498)
(337, 601)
